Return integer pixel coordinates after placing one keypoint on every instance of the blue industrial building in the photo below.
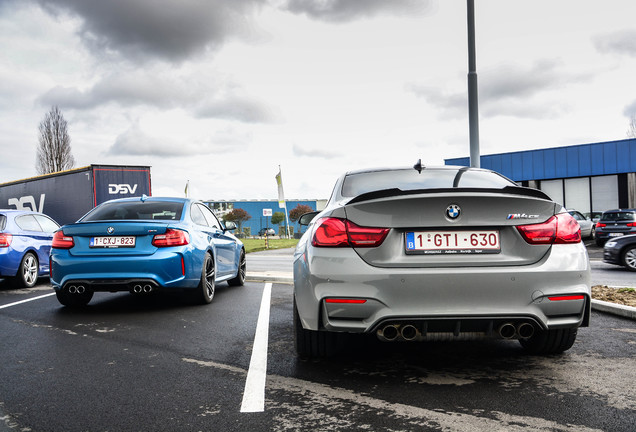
(588, 177)
(255, 209)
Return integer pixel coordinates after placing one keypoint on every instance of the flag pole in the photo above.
(281, 198)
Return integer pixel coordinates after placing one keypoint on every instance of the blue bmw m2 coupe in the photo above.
(143, 245)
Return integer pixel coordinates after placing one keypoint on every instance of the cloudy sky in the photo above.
(221, 93)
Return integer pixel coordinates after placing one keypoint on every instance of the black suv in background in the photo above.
(615, 223)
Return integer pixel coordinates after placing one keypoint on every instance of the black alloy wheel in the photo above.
(205, 291)
(239, 280)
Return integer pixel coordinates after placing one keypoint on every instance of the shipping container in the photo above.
(66, 196)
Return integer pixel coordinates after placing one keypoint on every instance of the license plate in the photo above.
(615, 234)
(453, 242)
(112, 242)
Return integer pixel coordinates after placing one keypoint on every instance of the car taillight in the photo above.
(335, 232)
(559, 229)
(171, 238)
(5, 239)
(62, 241)
(631, 224)
(600, 225)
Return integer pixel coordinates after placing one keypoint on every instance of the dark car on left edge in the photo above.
(25, 243)
(621, 251)
(142, 245)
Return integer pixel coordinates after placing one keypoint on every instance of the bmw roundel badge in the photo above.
(453, 211)
(110, 230)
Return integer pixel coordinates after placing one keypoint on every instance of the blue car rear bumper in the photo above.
(166, 268)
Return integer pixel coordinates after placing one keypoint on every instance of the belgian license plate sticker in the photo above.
(453, 242)
(112, 242)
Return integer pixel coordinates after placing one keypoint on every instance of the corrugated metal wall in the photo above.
(612, 157)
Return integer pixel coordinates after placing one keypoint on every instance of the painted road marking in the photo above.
(254, 393)
(25, 301)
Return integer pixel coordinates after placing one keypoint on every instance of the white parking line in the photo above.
(254, 393)
(25, 301)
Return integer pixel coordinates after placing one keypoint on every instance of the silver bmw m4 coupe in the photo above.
(440, 253)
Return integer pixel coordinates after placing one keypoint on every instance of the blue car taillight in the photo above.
(171, 237)
(5, 239)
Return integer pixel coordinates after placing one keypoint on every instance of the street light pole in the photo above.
(473, 112)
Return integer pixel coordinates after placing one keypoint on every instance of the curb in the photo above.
(614, 309)
(281, 277)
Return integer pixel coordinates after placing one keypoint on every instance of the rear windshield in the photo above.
(3, 222)
(410, 179)
(136, 210)
(618, 216)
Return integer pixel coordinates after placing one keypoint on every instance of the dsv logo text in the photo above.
(122, 189)
(27, 203)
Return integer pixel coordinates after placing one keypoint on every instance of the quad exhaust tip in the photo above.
(409, 332)
(139, 289)
(80, 289)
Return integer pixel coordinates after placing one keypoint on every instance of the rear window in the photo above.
(3, 222)
(410, 179)
(618, 216)
(136, 210)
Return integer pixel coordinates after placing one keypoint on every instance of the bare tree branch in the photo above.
(54, 149)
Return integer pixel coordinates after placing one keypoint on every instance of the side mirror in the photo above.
(307, 218)
(230, 226)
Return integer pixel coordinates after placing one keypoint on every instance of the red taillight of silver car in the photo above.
(559, 229)
(336, 232)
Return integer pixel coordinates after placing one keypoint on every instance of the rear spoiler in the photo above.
(394, 192)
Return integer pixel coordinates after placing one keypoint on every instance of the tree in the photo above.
(298, 211)
(238, 216)
(54, 149)
(277, 218)
(631, 132)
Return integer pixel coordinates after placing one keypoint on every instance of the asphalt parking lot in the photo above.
(159, 363)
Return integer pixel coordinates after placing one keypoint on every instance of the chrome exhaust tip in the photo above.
(137, 289)
(525, 330)
(390, 332)
(147, 288)
(507, 331)
(72, 289)
(80, 289)
(409, 332)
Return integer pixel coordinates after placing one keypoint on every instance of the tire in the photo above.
(629, 258)
(593, 233)
(311, 343)
(73, 300)
(205, 291)
(239, 280)
(28, 271)
(599, 242)
(550, 341)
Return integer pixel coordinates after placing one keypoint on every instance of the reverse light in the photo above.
(62, 241)
(559, 229)
(5, 239)
(566, 297)
(336, 232)
(170, 238)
